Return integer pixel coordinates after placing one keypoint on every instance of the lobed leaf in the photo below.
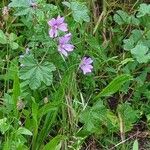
(36, 72)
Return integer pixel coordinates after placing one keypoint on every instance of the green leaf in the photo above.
(19, 3)
(136, 36)
(120, 17)
(141, 53)
(36, 72)
(22, 12)
(12, 37)
(46, 108)
(93, 117)
(135, 145)
(79, 11)
(115, 85)
(128, 115)
(66, 4)
(14, 45)
(3, 38)
(23, 7)
(143, 10)
(128, 44)
(24, 131)
(134, 20)
(138, 45)
(54, 144)
(4, 126)
(35, 109)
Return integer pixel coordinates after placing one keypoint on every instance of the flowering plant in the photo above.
(74, 75)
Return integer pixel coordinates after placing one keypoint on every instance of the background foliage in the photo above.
(47, 103)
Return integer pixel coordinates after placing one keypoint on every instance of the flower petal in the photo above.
(85, 65)
(86, 70)
(69, 47)
(65, 39)
(53, 33)
(88, 61)
(52, 22)
(63, 27)
(62, 51)
(60, 20)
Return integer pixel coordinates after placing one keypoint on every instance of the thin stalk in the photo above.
(98, 22)
(104, 20)
(122, 133)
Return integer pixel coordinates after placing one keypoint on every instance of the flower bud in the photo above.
(5, 13)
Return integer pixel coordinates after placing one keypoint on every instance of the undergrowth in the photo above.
(74, 75)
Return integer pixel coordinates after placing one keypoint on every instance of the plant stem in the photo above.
(122, 133)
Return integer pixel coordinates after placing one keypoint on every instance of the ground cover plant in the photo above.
(74, 75)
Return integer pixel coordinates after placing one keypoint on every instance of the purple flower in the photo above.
(86, 65)
(64, 47)
(57, 24)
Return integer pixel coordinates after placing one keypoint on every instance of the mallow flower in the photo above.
(57, 24)
(86, 65)
(64, 46)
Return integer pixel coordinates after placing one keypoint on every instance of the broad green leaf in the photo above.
(112, 121)
(19, 3)
(135, 145)
(24, 131)
(3, 38)
(93, 117)
(14, 45)
(9, 103)
(23, 7)
(136, 36)
(23, 11)
(115, 85)
(141, 53)
(12, 37)
(143, 10)
(138, 45)
(120, 17)
(40, 15)
(36, 73)
(55, 143)
(129, 115)
(133, 20)
(128, 44)
(79, 11)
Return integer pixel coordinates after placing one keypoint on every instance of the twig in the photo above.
(124, 141)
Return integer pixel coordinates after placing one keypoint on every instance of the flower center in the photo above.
(63, 46)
